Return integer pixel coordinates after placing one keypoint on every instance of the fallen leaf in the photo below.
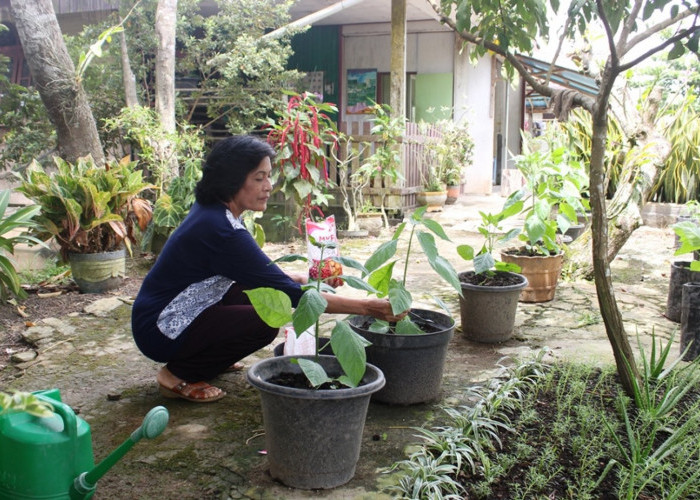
(48, 295)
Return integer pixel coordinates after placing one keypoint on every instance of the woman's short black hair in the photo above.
(227, 166)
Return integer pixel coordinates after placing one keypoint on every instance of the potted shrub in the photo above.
(380, 171)
(683, 272)
(490, 292)
(303, 134)
(433, 193)
(90, 211)
(410, 353)
(454, 150)
(314, 407)
(552, 198)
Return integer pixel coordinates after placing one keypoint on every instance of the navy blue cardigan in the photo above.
(209, 246)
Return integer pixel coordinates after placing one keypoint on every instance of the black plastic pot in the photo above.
(690, 321)
(680, 275)
(413, 365)
(312, 436)
(488, 312)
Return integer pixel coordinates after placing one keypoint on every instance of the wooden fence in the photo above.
(398, 196)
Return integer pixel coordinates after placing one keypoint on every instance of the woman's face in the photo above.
(255, 191)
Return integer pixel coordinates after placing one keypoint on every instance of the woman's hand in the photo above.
(381, 309)
(301, 278)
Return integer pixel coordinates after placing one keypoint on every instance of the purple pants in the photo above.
(222, 334)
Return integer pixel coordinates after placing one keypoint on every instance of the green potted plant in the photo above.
(303, 135)
(490, 292)
(454, 150)
(552, 198)
(410, 353)
(314, 407)
(683, 272)
(91, 212)
(380, 171)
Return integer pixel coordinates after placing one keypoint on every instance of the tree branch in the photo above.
(613, 58)
(579, 99)
(657, 28)
(677, 37)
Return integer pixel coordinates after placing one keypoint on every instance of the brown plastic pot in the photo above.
(542, 273)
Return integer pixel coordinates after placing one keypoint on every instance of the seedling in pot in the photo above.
(492, 230)
(689, 234)
(275, 309)
(377, 271)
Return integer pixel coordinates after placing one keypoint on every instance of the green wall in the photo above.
(318, 49)
(433, 91)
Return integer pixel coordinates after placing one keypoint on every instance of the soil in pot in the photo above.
(496, 279)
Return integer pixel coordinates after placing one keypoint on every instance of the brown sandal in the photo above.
(236, 367)
(194, 392)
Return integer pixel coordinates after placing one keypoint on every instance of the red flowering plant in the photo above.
(305, 137)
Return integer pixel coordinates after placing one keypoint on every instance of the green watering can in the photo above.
(51, 458)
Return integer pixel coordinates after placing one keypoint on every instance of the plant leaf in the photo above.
(273, 306)
(349, 348)
(314, 372)
(310, 307)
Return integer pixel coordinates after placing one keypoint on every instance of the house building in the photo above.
(347, 53)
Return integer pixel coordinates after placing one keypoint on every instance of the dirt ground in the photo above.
(216, 451)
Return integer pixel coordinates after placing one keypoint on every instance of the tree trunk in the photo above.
(54, 75)
(624, 212)
(614, 328)
(166, 18)
(128, 78)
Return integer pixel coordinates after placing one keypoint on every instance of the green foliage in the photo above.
(385, 160)
(454, 150)
(87, 208)
(492, 230)
(553, 193)
(303, 136)
(680, 179)
(513, 25)
(10, 224)
(144, 133)
(24, 402)
(28, 132)
(536, 429)
(689, 234)
(275, 309)
(231, 61)
(377, 271)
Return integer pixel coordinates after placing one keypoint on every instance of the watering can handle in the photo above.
(153, 425)
(70, 423)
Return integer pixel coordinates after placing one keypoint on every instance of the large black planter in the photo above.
(312, 437)
(488, 312)
(690, 321)
(680, 275)
(413, 365)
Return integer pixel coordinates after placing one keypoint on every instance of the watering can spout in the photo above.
(153, 425)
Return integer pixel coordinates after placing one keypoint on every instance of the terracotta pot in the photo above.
(452, 195)
(435, 200)
(542, 273)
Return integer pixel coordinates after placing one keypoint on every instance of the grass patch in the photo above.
(563, 431)
(52, 273)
